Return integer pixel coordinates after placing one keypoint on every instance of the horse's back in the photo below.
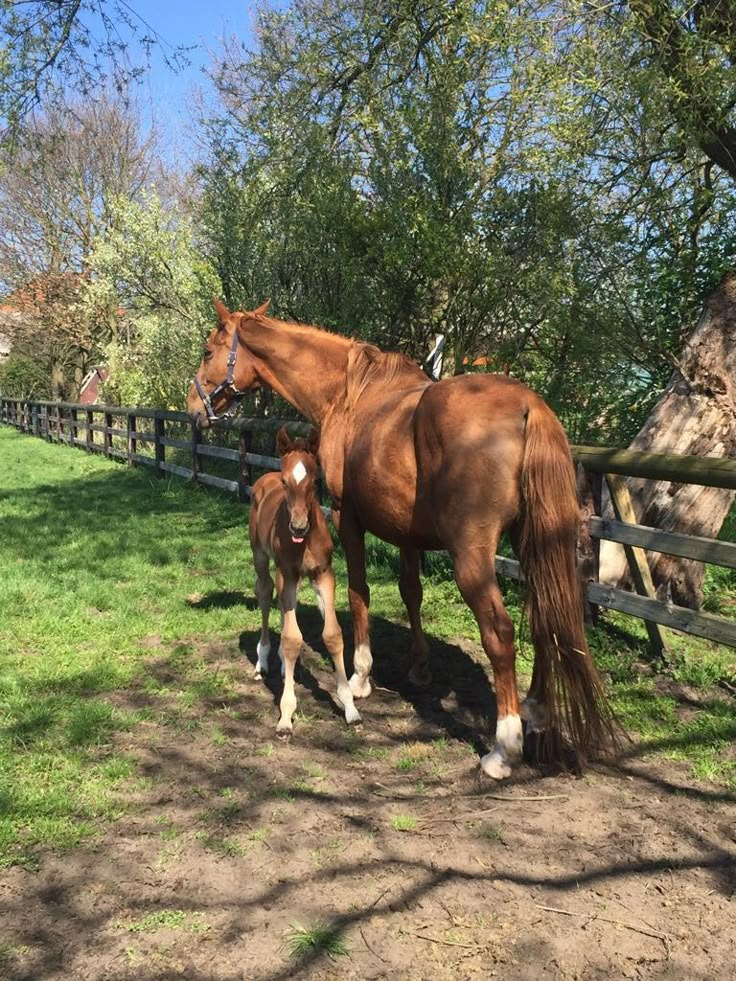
(469, 435)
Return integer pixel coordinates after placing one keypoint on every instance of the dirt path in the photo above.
(232, 838)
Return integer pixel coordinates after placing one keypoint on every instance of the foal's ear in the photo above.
(283, 443)
(262, 309)
(223, 314)
(313, 441)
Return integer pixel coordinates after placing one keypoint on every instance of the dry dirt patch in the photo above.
(385, 835)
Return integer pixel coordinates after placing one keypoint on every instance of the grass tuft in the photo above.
(316, 940)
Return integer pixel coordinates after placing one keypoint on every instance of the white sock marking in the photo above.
(509, 737)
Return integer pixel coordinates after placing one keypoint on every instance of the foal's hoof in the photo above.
(360, 687)
(352, 716)
(284, 732)
(494, 766)
(420, 675)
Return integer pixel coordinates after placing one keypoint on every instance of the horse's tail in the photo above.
(566, 679)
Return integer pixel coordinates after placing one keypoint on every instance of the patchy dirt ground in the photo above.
(382, 833)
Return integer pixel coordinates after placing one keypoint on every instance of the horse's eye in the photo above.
(206, 354)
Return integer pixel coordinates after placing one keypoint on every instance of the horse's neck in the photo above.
(303, 365)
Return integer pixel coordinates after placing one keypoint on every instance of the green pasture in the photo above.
(104, 570)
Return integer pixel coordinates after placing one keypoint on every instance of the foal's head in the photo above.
(298, 475)
(227, 370)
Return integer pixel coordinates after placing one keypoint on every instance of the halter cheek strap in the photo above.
(235, 394)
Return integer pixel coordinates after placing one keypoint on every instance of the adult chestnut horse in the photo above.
(437, 465)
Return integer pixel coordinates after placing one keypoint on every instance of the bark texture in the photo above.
(696, 415)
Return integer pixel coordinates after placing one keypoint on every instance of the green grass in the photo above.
(319, 939)
(167, 919)
(404, 822)
(112, 585)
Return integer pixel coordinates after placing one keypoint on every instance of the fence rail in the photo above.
(141, 428)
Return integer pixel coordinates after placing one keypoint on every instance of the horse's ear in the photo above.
(313, 441)
(262, 309)
(223, 314)
(283, 443)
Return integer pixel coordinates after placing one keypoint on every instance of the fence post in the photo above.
(34, 420)
(75, 427)
(623, 508)
(132, 441)
(90, 431)
(59, 425)
(245, 470)
(106, 435)
(159, 429)
(196, 440)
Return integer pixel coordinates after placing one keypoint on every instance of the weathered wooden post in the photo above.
(90, 431)
(159, 430)
(245, 470)
(132, 441)
(107, 435)
(196, 440)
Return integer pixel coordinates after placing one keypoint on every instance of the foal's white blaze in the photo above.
(508, 748)
(299, 472)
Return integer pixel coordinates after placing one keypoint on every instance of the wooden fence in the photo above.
(141, 437)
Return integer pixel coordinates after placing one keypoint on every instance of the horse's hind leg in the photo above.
(475, 575)
(264, 595)
(324, 587)
(359, 597)
(291, 645)
(410, 587)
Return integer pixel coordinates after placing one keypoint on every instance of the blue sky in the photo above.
(187, 23)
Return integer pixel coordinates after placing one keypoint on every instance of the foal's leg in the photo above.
(359, 596)
(324, 587)
(291, 645)
(264, 595)
(475, 575)
(410, 587)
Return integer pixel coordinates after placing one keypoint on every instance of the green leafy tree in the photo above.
(148, 275)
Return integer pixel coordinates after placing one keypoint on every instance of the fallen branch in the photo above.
(447, 943)
(664, 937)
(374, 952)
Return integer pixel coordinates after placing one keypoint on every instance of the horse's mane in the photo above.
(368, 365)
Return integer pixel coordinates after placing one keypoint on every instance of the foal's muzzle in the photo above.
(298, 534)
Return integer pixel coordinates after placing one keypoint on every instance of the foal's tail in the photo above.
(565, 677)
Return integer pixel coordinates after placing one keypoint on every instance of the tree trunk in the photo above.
(696, 415)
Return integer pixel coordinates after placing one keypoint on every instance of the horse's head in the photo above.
(228, 370)
(298, 475)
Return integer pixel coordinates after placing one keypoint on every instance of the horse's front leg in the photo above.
(324, 587)
(264, 595)
(352, 537)
(291, 645)
(410, 587)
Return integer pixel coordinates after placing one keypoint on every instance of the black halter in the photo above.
(236, 393)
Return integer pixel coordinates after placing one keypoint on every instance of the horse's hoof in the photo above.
(258, 674)
(420, 675)
(284, 732)
(360, 687)
(494, 766)
(352, 716)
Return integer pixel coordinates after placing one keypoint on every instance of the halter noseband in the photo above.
(223, 386)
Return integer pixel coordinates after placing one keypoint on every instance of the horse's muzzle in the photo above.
(298, 534)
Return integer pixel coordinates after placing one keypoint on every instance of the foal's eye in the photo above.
(206, 354)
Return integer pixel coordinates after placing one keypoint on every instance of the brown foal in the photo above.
(439, 465)
(287, 526)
